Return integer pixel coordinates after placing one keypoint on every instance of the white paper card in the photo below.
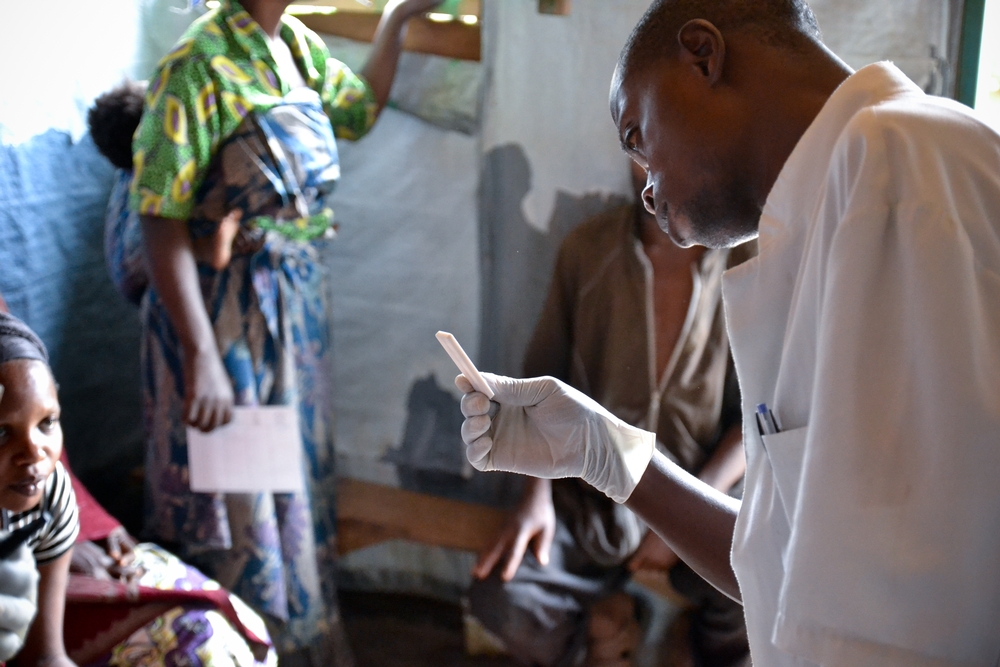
(259, 450)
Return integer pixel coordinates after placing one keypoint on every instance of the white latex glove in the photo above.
(545, 428)
(18, 596)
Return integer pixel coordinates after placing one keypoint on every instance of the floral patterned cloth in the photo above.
(187, 635)
(277, 164)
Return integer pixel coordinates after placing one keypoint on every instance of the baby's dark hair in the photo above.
(113, 120)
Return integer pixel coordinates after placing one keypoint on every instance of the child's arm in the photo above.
(44, 644)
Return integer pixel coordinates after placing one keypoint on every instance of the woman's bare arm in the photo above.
(380, 69)
(208, 391)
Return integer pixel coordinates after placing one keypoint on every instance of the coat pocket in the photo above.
(785, 451)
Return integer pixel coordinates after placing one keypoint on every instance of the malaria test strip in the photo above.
(461, 359)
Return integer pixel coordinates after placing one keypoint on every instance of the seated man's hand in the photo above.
(532, 523)
(545, 428)
(18, 599)
(652, 554)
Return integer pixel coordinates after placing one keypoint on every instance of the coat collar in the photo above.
(789, 201)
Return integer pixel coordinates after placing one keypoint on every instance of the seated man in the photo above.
(636, 323)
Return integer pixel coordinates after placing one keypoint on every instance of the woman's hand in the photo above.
(532, 523)
(208, 391)
(652, 554)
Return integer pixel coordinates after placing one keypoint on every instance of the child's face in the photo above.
(30, 435)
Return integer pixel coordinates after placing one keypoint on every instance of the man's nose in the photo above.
(647, 198)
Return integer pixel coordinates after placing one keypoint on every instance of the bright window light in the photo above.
(988, 86)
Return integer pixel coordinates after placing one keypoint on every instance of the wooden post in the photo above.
(968, 64)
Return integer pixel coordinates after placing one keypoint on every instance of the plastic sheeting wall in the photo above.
(913, 34)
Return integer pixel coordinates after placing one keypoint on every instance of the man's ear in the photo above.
(702, 46)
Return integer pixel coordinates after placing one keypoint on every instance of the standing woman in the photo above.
(233, 161)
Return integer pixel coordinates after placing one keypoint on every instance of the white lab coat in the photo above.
(870, 324)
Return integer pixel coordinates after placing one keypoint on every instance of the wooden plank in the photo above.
(462, 7)
(370, 513)
(450, 39)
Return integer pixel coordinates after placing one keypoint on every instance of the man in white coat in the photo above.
(867, 330)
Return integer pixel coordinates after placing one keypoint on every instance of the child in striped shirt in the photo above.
(33, 482)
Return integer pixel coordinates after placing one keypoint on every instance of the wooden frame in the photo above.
(460, 7)
(369, 514)
(451, 39)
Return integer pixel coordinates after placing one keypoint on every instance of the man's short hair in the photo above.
(780, 23)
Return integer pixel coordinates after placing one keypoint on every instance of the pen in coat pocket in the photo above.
(766, 422)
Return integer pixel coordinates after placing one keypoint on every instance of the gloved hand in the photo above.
(545, 428)
(18, 596)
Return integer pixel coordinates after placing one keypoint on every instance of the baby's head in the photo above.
(113, 120)
(30, 435)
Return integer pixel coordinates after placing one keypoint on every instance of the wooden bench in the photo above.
(368, 514)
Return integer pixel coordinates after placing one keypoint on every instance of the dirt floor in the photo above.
(394, 630)
(389, 630)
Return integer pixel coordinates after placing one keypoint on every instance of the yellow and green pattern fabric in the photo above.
(220, 71)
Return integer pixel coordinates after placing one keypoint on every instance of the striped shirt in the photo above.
(57, 536)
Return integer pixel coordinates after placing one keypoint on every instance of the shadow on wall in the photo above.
(517, 263)
(517, 259)
(431, 457)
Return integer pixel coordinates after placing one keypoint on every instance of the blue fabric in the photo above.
(53, 194)
(123, 247)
